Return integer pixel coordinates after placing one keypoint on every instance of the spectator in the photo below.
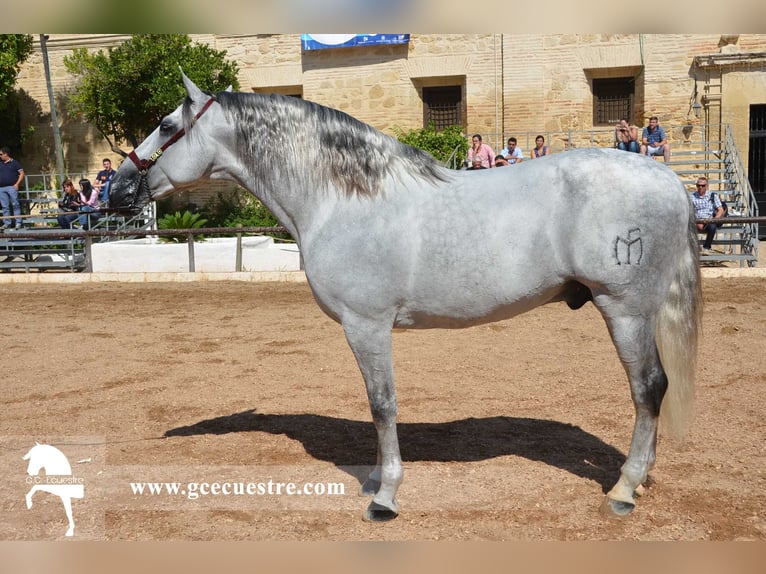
(540, 148)
(512, 153)
(69, 205)
(706, 206)
(89, 203)
(11, 176)
(477, 163)
(103, 179)
(482, 151)
(626, 136)
(654, 141)
(500, 161)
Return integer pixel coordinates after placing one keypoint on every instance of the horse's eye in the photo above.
(166, 127)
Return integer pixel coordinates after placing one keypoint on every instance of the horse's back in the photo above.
(492, 244)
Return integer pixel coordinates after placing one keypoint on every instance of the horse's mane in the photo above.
(285, 138)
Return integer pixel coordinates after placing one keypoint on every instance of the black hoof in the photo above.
(616, 508)
(370, 487)
(377, 513)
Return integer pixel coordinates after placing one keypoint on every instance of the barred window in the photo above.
(442, 106)
(612, 100)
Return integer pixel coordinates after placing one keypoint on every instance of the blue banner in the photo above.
(323, 41)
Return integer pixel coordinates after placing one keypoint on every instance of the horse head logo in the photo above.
(57, 480)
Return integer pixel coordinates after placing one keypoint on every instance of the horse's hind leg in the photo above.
(371, 343)
(633, 336)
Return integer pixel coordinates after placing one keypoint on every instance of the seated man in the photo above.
(512, 153)
(654, 141)
(706, 206)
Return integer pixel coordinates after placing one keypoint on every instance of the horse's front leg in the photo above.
(371, 343)
(634, 339)
(31, 493)
(67, 501)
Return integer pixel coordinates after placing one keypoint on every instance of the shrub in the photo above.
(240, 207)
(441, 144)
(177, 220)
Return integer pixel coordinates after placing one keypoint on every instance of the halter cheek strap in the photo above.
(143, 165)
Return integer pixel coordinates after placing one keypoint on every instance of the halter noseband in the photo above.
(143, 165)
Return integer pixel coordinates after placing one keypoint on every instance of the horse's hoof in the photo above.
(378, 513)
(639, 490)
(70, 532)
(370, 487)
(29, 502)
(612, 508)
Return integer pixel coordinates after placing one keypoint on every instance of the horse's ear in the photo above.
(194, 92)
(229, 89)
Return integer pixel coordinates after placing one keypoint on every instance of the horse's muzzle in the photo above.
(128, 194)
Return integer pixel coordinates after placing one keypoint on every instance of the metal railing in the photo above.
(86, 237)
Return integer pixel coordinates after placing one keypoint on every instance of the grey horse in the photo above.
(390, 238)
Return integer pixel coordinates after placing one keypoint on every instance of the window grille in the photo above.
(612, 100)
(442, 106)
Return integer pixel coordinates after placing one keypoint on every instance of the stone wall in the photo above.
(513, 84)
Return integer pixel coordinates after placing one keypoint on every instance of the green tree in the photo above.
(14, 51)
(440, 144)
(126, 92)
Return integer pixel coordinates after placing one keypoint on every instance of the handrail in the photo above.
(741, 183)
(452, 161)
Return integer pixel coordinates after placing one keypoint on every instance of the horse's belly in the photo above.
(467, 309)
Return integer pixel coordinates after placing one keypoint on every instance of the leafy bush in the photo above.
(240, 207)
(441, 144)
(177, 220)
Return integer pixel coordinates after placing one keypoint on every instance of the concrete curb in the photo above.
(720, 272)
(256, 276)
(60, 278)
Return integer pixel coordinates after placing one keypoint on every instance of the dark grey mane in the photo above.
(286, 138)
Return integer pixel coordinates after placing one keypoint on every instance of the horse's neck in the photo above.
(299, 210)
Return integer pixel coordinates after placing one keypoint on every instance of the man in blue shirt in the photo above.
(706, 207)
(103, 179)
(11, 176)
(654, 141)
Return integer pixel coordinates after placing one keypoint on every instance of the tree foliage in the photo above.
(14, 51)
(440, 144)
(126, 91)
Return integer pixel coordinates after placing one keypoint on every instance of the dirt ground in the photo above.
(508, 431)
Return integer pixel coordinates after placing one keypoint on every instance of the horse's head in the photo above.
(170, 158)
(48, 457)
(36, 461)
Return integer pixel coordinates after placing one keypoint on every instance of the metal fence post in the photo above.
(238, 263)
(88, 254)
(190, 242)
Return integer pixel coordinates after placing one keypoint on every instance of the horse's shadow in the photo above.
(351, 443)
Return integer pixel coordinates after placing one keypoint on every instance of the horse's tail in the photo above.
(678, 324)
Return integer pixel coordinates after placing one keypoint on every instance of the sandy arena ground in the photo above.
(508, 431)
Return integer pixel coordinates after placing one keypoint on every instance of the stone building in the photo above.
(570, 87)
